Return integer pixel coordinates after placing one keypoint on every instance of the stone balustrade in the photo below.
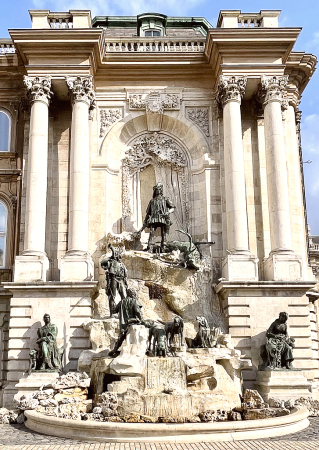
(44, 18)
(154, 45)
(237, 19)
(6, 46)
(60, 20)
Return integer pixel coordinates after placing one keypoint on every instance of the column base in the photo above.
(282, 384)
(76, 267)
(285, 266)
(240, 267)
(30, 267)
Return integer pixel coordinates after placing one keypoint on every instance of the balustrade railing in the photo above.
(314, 247)
(159, 45)
(6, 46)
(249, 21)
(60, 20)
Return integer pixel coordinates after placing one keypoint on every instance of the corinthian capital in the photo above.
(38, 88)
(273, 89)
(81, 90)
(231, 89)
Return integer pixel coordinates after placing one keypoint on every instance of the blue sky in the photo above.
(14, 14)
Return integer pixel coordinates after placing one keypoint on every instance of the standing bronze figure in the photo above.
(116, 277)
(49, 355)
(157, 216)
(277, 353)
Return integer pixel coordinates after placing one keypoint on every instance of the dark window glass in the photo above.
(152, 33)
(4, 132)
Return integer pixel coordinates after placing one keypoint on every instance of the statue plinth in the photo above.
(34, 381)
(283, 384)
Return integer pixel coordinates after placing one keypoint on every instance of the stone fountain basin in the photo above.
(163, 432)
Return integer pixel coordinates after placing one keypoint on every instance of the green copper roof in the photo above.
(199, 23)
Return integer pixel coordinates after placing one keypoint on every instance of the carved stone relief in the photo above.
(108, 116)
(155, 101)
(169, 161)
(200, 116)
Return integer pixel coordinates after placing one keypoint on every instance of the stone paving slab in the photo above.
(18, 437)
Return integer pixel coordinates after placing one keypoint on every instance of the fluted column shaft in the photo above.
(231, 90)
(82, 95)
(277, 180)
(39, 92)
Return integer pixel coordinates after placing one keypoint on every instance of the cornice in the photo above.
(231, 46)
(52, 44)
(300, 67)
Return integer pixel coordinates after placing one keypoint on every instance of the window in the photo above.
(3, 233)
(152, 33)
(5, 123)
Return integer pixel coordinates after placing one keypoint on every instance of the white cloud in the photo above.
(310, 135)
(314, 42)
(120, 7)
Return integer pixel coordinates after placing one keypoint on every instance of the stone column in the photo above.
(282, 264)
(239, 264)
(77, 264)
(33, 263)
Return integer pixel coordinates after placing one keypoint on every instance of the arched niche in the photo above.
(135, 171)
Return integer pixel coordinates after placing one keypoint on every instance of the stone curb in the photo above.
(168, 433)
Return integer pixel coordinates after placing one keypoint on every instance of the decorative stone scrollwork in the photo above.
(38, 88)
(107, 118)
(165, 155)
(231, 89)
(200, 117)
(154, 101)
(82, 90)
(154, 146)
(274, 89)
(298, 117)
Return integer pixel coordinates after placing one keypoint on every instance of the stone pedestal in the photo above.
(69, 305)
(76, 267)
(31, 268)
(283, 267)
(34, 381)
(240, 267)
(282, 384)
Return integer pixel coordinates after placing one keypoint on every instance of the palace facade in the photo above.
(94, 113)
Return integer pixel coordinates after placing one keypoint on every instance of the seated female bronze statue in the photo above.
(277, 353)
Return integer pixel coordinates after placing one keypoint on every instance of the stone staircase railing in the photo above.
(154, 45)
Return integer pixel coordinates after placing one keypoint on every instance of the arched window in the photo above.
(5, 131)
(3, 233)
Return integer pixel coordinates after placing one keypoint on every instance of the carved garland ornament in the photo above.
(159, 150)
(82, 90)
(107, 118)
(231, 89)
(38, 88)
(200, 117)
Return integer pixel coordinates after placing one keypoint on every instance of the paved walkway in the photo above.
(18, 437)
